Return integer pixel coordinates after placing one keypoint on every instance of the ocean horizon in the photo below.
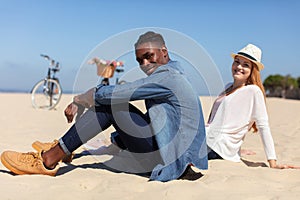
(29, 91)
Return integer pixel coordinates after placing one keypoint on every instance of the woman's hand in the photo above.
(273, 164)
(287, 167)
(247, 152)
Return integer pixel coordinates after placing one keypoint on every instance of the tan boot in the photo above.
(26, 163)
(45, 146)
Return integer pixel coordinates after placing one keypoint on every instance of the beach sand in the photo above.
(87, 177)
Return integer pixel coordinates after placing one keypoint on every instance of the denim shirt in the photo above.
(176, 117)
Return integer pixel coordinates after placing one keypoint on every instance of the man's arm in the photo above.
(155, 86)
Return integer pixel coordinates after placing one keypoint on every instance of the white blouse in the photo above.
(233, 118)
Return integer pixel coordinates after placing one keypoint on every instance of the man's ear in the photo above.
(164, 50)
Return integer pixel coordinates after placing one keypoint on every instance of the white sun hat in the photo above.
(252, 53)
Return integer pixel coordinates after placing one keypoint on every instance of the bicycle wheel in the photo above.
(46, 94)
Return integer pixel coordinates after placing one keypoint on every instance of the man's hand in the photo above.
(71, 111)
(80, 102)
(86, 99)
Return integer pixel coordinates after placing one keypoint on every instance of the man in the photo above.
(170, 137)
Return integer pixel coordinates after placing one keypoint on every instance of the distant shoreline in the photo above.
(13, 91)
(28, 91)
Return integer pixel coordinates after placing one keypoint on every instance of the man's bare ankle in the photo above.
(47, 164)
(52, 156)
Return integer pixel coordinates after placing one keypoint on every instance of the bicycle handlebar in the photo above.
(45, 56)
(111, 63)
(103, 62)
(52, 62)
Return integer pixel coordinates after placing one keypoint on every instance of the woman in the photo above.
(238, 109)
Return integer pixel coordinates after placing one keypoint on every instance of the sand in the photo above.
(88, 178)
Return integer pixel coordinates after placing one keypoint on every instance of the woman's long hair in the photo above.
(254, 79)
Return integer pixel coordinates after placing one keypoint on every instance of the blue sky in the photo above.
(69, 30)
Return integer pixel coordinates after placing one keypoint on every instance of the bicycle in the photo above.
(106, 70)
(47, 92)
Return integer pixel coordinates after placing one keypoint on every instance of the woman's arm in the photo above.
(261, 118)
(272, 163)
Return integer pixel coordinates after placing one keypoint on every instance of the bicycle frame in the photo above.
(49, 87)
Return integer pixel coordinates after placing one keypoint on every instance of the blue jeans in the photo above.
(94, 121)
(115, 138)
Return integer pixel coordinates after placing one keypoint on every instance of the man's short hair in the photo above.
(150, 36)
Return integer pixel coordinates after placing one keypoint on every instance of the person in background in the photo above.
(239, 108)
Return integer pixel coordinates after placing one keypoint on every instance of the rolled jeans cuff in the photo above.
(64, 147)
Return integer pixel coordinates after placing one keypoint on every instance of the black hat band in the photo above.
(246, 55)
